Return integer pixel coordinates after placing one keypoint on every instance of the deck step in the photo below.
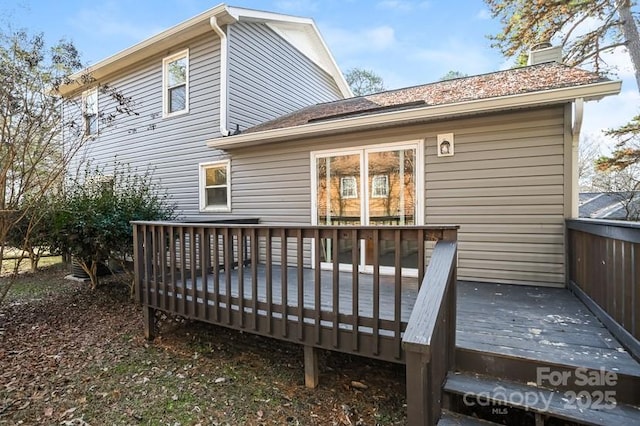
(530, 370)
(501, 397)
(456, 419)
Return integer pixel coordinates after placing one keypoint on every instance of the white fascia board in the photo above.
(160, 42)
(546, 97)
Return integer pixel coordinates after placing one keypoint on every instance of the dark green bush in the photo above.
(91, 219)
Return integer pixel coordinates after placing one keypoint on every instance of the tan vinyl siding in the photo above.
(504, 187)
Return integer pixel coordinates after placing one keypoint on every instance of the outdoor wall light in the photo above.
(445, 145)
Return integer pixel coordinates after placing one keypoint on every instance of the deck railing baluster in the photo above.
(205, 253)
(269, 278)
(228, 267)
(300, 272)
(336, 287)
(154, 268)
(254, 276)
(317, 283)
(162, 266)
(183, 269)
(172, 268)
(215, 248)
(376, 291)
(355, 288)
(193, 306)
(398, 293)
(241, 260)
(284, 264)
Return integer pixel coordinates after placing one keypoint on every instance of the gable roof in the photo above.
(300, 32)
(541, 84)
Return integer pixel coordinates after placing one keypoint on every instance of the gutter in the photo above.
(553, 96)
(224, 61)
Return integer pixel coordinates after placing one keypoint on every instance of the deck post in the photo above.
(149, 318)
(310, 367)
(418, 384)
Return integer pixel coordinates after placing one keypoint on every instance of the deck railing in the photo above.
(604, 271)
(273, 280)
(430, 338)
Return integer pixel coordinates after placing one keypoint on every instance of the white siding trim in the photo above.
(165, 84)
(202, 167)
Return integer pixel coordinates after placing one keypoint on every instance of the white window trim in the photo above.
(353, 179)
(85, 95)
(373, 186)
(165, 82)
(202, 186)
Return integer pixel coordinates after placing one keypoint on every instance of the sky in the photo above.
(406, 42)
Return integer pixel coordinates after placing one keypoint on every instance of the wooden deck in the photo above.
(270, 281)
(549, 325)
(538, 323)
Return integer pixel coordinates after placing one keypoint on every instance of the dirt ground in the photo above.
(70, 356)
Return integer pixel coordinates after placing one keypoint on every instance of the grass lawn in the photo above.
(71, 356)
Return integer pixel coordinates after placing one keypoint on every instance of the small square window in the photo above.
(380, 186)
(90, 111)
(348, 187)
(215, 193)
(175, 77)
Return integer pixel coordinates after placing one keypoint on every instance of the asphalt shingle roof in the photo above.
(515, 81)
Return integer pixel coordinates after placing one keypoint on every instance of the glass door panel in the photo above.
(339, 195)
(391, 200)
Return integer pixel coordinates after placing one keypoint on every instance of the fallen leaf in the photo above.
(48, 412)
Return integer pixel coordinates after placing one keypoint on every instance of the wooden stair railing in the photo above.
(429, 340)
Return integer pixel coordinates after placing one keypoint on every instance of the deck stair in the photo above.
(569, 372)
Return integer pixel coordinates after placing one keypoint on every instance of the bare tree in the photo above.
(588, 152)
(587, 30)
(624, 186)
(40, 131)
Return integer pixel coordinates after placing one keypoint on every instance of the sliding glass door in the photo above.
(368, 186)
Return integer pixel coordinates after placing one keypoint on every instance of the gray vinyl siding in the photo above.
(171, 147)
(504, 187)
(268, 77)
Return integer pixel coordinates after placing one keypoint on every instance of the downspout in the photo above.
(224, 60)
(578, 112)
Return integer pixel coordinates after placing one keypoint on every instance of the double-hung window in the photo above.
(348, 187)
(380, 186)
(175, 80)
(215, 186)
(90, 111)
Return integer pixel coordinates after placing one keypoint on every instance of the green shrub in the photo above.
(91, 219)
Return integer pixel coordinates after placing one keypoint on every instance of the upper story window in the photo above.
(175, 80)
(348, 187)
(215, 186)
(90, 111)
(380, 186)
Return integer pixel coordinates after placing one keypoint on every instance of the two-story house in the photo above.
(216, 74)
(242, 114)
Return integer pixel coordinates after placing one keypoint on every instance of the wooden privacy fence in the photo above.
(305, 284)
(604, 271)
